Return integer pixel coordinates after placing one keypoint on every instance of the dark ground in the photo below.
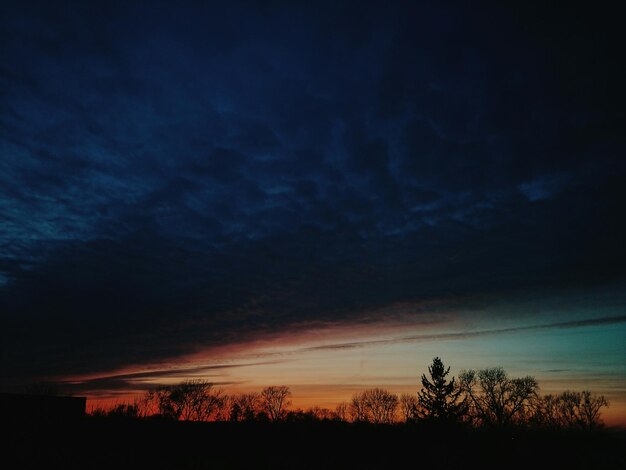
(114, 444)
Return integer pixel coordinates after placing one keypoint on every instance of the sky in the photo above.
(324, 196)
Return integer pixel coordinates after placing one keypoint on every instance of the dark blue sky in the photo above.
(184, 173)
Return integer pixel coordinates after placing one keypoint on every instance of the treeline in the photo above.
(478, 398)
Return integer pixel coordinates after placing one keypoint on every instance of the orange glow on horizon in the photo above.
(326, 365)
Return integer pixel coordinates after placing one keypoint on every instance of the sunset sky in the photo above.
(322, 196)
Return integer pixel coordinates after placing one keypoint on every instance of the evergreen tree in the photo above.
(439, 399)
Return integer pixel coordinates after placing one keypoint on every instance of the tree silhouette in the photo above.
(486, 397)
(497, 400)
(439, 399)
(590, 406)
(190, 400)
(547, 412)
(380, 405)
(274, 400)
(570, 410)
(358, 413)
(245, 407)
(342, 411)
(374, 405)
(123, 411)
(579, 409)
(408, 407)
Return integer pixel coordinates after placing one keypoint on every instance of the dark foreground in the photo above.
(111, 444)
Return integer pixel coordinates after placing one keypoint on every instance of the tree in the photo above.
(274, 401)
(190, 400)
(309, 415)
(497, 400)
(408, 407)
(358, 413)
(573, 410)
(320, 414)
(147, 404)
(342, 411)
(123, 411)
(374, 405)
(245, 407)
(547, 412)
(590, 406)
(381, 405)
(439, 399)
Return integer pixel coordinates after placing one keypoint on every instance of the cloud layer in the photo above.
(174, 178)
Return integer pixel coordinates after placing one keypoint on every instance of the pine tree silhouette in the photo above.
(439, 399)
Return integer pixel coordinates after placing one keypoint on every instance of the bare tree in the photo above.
(123, 411)
(374, 405)
(358, 413)
(590, 406)
(381, 405)
(547, 412)
(578, 409)
(572, 410)
(147, 404)
(275, 401)
(408, 407)
(222, 408)
(245, 407)
(190, 400)
(342, 411)
(320, 414)
(495, 399)
(160, 397)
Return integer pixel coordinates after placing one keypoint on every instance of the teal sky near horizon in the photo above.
(578, 345)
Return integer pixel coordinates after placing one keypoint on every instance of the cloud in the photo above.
(453, 336)
(543, 188)
(149, 379)
(190, 182)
